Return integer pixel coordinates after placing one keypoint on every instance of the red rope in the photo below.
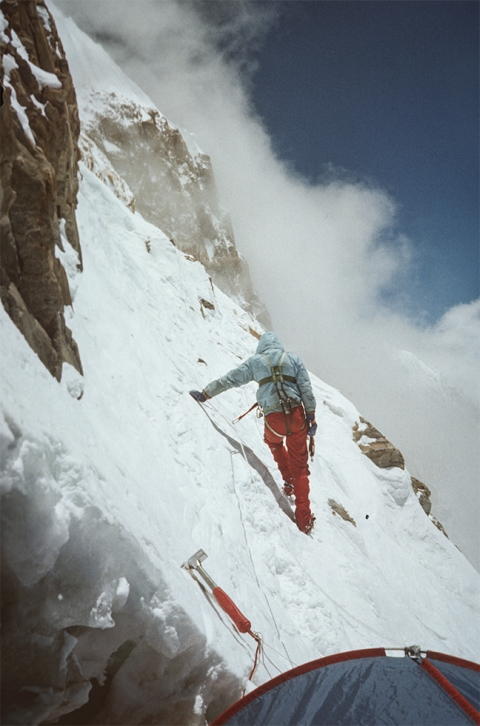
(257, 653)
(256, 637)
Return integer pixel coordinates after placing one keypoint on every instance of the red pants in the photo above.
(292, 459)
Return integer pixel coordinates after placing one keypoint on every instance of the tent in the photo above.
(365, 687)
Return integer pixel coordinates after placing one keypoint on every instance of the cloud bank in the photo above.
(328, 259)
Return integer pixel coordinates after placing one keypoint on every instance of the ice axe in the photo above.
(226, 603)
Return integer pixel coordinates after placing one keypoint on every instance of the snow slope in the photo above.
(112, 481)
(136, 452)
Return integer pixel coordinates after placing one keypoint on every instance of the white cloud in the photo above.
(325, 257)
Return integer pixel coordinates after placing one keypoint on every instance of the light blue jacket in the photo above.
(256, 368)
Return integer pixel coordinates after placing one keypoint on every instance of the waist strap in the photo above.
(271, 379)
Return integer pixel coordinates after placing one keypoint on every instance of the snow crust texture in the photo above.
(111, 481)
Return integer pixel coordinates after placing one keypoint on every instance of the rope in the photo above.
(256, 636)
(294, 665)
(341, 607)
(247, 545)
(258, 651)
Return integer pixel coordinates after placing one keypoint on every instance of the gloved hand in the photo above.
(312, 424)
(198, 396)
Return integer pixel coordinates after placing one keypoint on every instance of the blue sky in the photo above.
(386, 92)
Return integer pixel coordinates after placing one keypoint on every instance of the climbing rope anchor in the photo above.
(226, 603)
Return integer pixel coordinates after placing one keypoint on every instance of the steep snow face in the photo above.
(171, 178)
(111, 481)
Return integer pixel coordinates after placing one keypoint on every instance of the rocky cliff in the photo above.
(174, 188)
(38, 180)
(153, 168)
(170, 179)
(385, 455)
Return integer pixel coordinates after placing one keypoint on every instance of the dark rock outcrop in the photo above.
(384, 454)
(38, 180)
(374, 445)
(423, 495)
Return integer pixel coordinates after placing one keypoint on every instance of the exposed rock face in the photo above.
(439, 526)
(174, 188)
(423, 494)
(376, 446)
(385, 455)
(38, 180)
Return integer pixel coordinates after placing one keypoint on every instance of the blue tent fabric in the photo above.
(465, 680)
(364, 688)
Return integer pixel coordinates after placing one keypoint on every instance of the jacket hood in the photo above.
(268, 341)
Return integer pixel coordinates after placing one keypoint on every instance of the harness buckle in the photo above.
(286, 405)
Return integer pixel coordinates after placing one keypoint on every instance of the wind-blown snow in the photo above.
(105, 76)
(137, 456)
(96, 75)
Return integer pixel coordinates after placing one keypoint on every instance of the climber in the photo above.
(286, 400)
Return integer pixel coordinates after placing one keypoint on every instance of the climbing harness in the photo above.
(278, 378)
(277, 373)
(280, 436)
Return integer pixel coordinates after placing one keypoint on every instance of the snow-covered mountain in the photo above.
(171, 179)
(111, 480)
